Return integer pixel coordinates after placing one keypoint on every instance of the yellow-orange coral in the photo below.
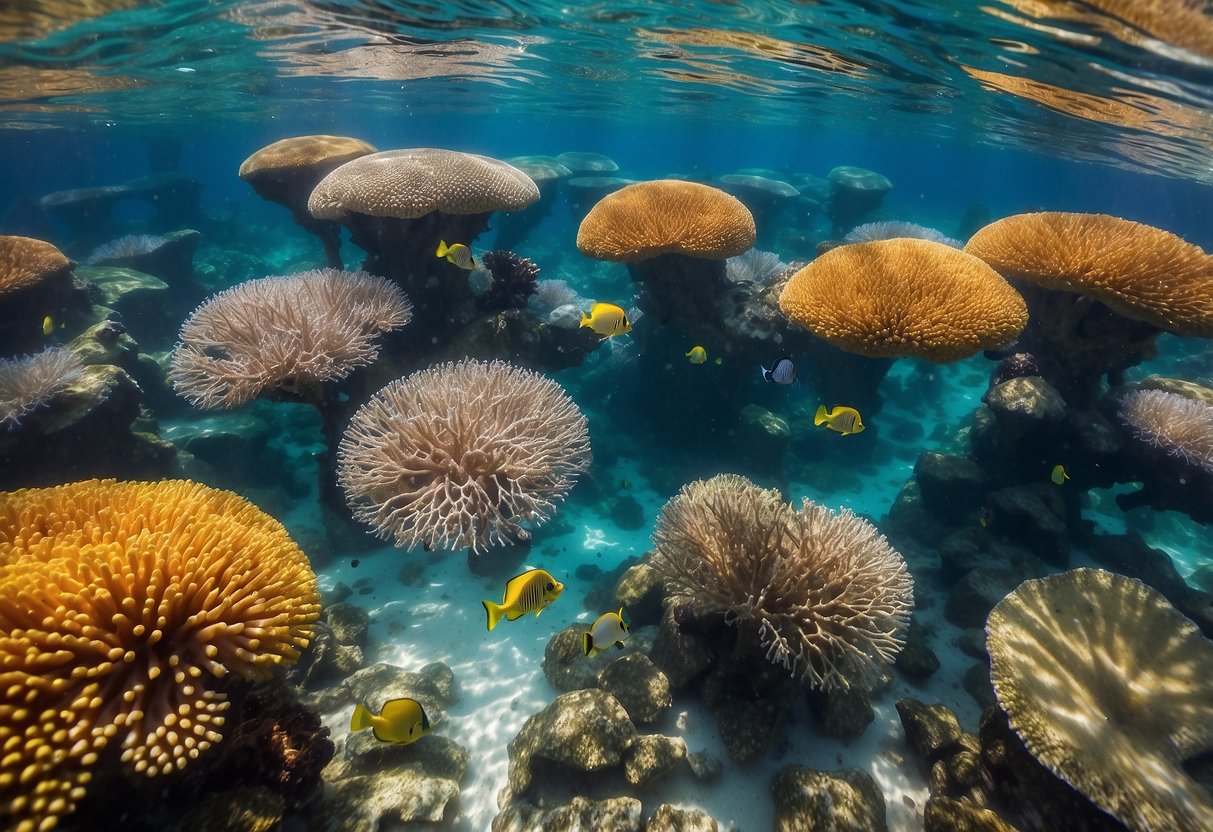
(905, 297)
(666, 216)
(1138, 270)
(303, 153)
(26, 262)
(120, 604)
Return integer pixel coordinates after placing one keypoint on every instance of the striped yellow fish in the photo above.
(456, 253)
(531, 591)
(607, 319)
(844, 420)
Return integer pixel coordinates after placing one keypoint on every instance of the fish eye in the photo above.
(550, 587)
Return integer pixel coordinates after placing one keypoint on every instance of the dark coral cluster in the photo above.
(515, 279)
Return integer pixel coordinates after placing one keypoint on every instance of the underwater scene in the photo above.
(690, 416)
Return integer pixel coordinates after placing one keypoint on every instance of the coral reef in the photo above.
(35, 281)
(29, 382)
(854, 194)
(514, 281)
(872, 231)
(486, 447)
(1178, 426)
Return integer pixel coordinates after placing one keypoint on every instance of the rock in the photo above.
(1025, 404)
(639, 591)
(977, 684)
(930, 729)
(749, 722)
(667, 818)
(348, 623)
(1098, 439)
(642, 689)
(586, 730)
(140, 299)
(943, 814)
(680, 656)
(587, 572)
(1130, 555)
(369, 802)
(1179, 386)
(917, 661)
(963, 551)
(615, 814)
(627, 513)
(842, 713)
(909, 517)
(568, 668)
(1033, 518)
(704, 766)
(976, 594)
(651, 757)
(236, 445)
(434, 755)
(952, 487)
(250, 809)
(432, 687)
(337, 594)
(972, 642)
(819, 801)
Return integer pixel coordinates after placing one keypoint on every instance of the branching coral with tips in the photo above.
(284, 335)
(121, 606)
(29, 382)
(827, 596)
(460, 454)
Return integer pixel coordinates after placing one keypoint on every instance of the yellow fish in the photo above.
(609, 628)
(456, 253)
(401, 721)
(718, 361)
(844, 420)
(531, 591)
(1059, 475)
(607, 320)
(698, 355)
(48, 325)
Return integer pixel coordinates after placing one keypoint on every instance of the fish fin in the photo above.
(587, 643)
(585, 320)
(619, 645)
(539, 610)
(620, 613)
(442, 251)
(494, 613)
(821, 416)
(361, 718)
(764, 372)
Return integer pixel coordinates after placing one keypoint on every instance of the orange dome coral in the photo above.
(666, 216)
(26, 262)
(905, 297)
(299, 153)
(120, 605)
(1140, 271)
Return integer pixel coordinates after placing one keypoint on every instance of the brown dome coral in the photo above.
(1142, 272)
(35, 281)
(460, 454)
(826, 595)
(121, 604)
(904, 297)
(666, 216)
(1109, 687)
(26, 262)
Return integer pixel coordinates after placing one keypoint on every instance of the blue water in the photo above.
(973, 112)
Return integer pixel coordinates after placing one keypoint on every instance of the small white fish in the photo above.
(609, 628)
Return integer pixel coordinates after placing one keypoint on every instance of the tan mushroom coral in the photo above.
(905, 297)
(1144, 279)
(286, 172)
(547, 174)
(1109, 687)
(122, 606)
(35, 281)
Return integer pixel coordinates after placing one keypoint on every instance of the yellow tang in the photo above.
(456, 253)
(609, 628)
(844, 420)
(48, 325)
(698, 355)
(1059, 475)
(401, 721)
(607, 320)
(531, 591)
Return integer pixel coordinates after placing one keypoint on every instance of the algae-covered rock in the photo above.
(251, 809)
(1032, 517)
(916, 661)
(566, 666)
(842, 713)
(976, 593)
(1026, 403)
(348, 622)
(639, 591)
(642, 689)
(680, 656)
(952, 487)
(930, 729)
(432, 686)
(827, 801)
(943, 814)
(704, 766)
(667, 818)
(652, 756)
(370, 802)
(615, 814)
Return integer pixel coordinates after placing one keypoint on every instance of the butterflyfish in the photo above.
(529, 592)
(783, 371)
(401, 721)
(844, 420)
(607, 319)
(609, 628)
(1059, 475)
(698, 355)
(48, 325)
(456, 253)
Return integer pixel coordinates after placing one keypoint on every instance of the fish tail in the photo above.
(821, 417)
(361, 718)
(587, 643)
(494, 613)
(442, 251)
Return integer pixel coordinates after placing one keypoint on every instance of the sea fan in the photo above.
(1180, 426)
(28, 382)
(754, 266)
(132, 245)
(889, 230)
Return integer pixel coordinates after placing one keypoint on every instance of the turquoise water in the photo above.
(126, 123)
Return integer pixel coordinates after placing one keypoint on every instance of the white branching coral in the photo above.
(889, 230)
(461, 454)
(1180, 426)
(30, 381)
(754, 266)
(827, 596)
(284, 334)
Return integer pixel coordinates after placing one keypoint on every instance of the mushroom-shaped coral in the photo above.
(1130, 280)
(122, 605)
(1109, 687)
(854, 193)
(547, 174)
(824, 593)
(461, 454)
(284, 336)
(29, 382)
(35, 281)
(287, 170)
(905, 297)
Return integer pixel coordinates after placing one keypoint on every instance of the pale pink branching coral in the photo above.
(825, 594)
(1180, 426)
(30, 381)
(284, 335)
(461, 454)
